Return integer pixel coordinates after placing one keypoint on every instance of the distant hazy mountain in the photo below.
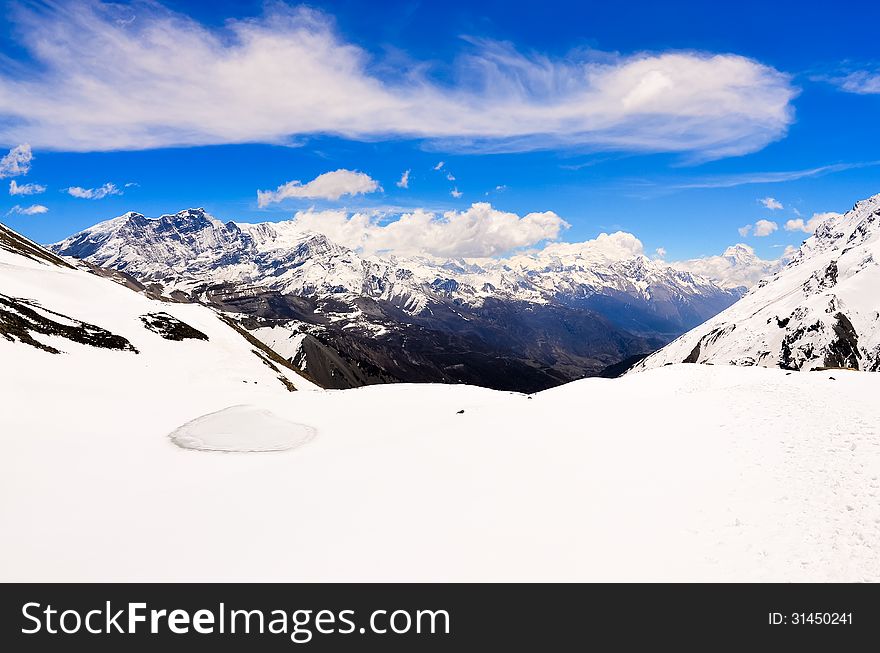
(737, 267)
(821, 310)
(527, 322)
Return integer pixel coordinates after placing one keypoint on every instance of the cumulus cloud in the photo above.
(33, 209)
(809, 226)
(90, 81)
(99, 193)
(17, 161)
(745, 230)
(737, 267)
(660, 252)
(479, 231)
(764, 228)
(328, 186)
(25, 189)
(404, 180)
(617, 246)
(771, 203)
(455, 193)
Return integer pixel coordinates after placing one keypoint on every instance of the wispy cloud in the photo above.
(98, 193)
(33, 209)
(404, 180)
(93, 81)
(25, 189)
(771, 203)
(328, 186)
(729, 181)
(861, 82)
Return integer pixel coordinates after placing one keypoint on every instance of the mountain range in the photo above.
(527, 322)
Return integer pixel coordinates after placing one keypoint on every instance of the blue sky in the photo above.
(671, 121)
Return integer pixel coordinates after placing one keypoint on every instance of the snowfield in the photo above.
(685, 472)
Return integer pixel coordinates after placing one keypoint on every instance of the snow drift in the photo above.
(241, 428)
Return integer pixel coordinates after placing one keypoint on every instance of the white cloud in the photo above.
(737, 267)
(862, 82)
(771, 203)
(404, 180)
(92, 82)
(765, 228)
(25, 189)
(809, 226)
(619, 245)
(745, 230)
(328, 186)
(479, 231)
(660, 252)
(17, 161)
(439, 165)
(94, 193)
(450, 176)
(33, 209)
(455, 193)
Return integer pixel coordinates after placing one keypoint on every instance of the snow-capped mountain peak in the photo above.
(821, 310)
(191, 248)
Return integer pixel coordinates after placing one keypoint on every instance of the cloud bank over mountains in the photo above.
(476, 232)
(142, 76)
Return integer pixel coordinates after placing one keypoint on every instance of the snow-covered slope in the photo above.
(91, 333)
(124, 459)
(191, 248)
(714, 477)
(821, 310)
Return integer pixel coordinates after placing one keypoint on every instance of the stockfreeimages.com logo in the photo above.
(300, 625)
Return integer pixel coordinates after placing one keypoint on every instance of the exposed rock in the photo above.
(170, 328)
(20, 319)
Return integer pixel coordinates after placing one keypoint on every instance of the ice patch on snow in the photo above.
(241, 428)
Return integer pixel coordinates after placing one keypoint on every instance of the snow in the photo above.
(793, 320)
(727, 474)
(286, 341)
(681, 473)
(243, 429)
